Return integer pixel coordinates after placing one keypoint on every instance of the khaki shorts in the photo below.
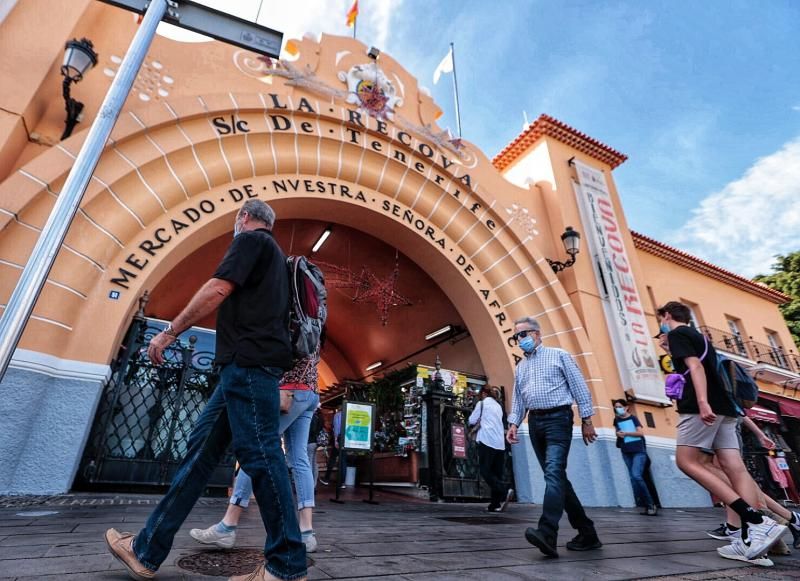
(719, 435)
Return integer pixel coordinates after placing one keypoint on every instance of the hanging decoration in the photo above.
(367, 287)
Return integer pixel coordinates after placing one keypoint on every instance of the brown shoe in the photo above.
(260, 574)
(121, 546)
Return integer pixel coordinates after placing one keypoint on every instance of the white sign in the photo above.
(357, 424)
(633, 346)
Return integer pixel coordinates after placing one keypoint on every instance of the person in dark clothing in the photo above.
(707, 419)
(313, 435)
(334, 450)
(488, 417)
(250, 289)
(630, 441)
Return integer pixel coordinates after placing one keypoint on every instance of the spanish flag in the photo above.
(352, 14)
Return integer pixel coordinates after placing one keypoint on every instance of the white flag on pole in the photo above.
(446, 66)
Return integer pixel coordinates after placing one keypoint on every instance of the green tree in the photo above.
(787, 280)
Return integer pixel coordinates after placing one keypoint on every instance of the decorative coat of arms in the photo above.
(368, 87)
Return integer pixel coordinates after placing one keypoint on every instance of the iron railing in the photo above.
(769, 354)
(726, 341)
(758, 352)
(146, 415)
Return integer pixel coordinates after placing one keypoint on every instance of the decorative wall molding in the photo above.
(56, 367)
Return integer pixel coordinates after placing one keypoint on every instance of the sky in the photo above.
(703, 97)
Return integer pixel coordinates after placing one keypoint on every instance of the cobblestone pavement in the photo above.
(61, 537)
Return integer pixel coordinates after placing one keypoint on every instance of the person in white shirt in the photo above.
(488, 417)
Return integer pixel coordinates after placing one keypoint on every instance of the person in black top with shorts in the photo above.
(708, 420)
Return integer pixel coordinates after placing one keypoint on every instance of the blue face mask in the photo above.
(664, 328)
(527, 344)
(619, 411)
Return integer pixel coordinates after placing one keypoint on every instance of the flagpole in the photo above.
(455, 89)
(355, 23)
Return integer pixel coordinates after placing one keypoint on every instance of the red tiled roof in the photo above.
(552, 127)
(686, 260)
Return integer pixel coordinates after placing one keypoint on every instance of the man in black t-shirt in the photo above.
(708, 420)
(251, 290)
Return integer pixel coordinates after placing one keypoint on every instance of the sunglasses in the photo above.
(523, 334)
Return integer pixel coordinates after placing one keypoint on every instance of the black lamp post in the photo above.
(572, 244)
(79, 58)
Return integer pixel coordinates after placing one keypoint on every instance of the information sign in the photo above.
(358, 425)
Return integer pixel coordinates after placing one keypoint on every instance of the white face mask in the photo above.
(237, 228)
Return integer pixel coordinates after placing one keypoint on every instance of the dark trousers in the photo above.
(334, 451)
(245, 409)
(491, 463)
(551, 436)
(636, 463)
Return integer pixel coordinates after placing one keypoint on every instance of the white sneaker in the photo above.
(311, 543)
(762, 536)
(211, 536)
(509, 498)
(736, 551)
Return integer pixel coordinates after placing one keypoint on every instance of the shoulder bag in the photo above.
(675, 382)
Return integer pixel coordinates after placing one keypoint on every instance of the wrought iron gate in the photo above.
(147, 412)
(454, 477)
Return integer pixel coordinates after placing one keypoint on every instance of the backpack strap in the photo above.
(703, 356)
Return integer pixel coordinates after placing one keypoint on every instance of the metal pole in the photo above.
(455, 89)
(23, 299)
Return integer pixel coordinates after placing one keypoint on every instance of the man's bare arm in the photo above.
(203, 303)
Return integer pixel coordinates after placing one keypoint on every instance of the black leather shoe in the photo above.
(584, 542)
(539, 540)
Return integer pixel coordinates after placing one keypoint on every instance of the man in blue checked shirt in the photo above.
(546, 384)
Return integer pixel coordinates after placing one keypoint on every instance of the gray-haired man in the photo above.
(251, 290)
(546, 383)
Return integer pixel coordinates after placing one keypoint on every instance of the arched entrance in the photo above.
(149, 207)
(358, 334)
(174, 175)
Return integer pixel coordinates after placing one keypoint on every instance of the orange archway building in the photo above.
(209, 126)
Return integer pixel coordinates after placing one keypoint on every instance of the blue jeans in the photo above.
(551, 436)
(294, 427)
(244, 409)
(636, 463)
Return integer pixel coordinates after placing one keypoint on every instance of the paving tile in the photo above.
(54, 565)
(23, 552)
(372, 566)
(391, 541)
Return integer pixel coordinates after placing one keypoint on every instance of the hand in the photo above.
(588, 433)
(620, 434)
(766, 442)
(511, 436)
(155, 350)
(706, 414)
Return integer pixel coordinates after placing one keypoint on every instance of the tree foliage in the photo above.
(787, 280)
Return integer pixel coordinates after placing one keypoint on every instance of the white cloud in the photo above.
(750, 220)
(796, 108)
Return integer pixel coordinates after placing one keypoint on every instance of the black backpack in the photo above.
(741, 388)
(309, 306)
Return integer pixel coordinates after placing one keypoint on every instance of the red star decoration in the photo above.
(366, 287)
(382, 292)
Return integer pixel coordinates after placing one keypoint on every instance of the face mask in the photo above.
(527, 344)
(237, 229)
(664, 328)
(619, 411)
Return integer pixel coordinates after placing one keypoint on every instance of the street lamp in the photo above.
(79, 58)
(572, 244)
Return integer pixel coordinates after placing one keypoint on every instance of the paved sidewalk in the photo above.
(62, 538)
